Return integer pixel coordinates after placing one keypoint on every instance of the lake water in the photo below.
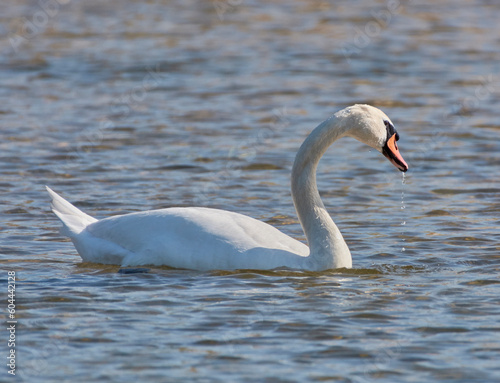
(136, 105)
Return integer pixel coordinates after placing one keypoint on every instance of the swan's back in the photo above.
(191, 238)
(197, 238)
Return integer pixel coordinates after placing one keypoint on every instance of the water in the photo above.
(129, 106)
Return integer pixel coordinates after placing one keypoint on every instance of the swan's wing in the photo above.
(198, 238)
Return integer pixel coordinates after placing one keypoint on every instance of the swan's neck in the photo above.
(327, 246)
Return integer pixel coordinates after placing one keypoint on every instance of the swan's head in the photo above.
(372, 127)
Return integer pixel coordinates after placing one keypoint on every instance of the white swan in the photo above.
(205, 239)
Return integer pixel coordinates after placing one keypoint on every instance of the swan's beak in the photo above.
(391, 151)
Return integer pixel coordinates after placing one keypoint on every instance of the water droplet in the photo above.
(403, 222)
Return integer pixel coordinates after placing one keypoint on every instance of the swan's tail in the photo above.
(73, 219)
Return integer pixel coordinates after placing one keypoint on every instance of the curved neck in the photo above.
(327, 246)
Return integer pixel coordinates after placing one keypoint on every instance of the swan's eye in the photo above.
(390, 130)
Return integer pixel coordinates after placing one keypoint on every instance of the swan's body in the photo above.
(205, 239)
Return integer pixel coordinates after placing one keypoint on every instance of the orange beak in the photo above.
(391, 151)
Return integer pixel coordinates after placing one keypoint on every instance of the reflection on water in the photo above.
(141, 105)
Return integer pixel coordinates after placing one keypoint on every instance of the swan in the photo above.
(210, 239)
